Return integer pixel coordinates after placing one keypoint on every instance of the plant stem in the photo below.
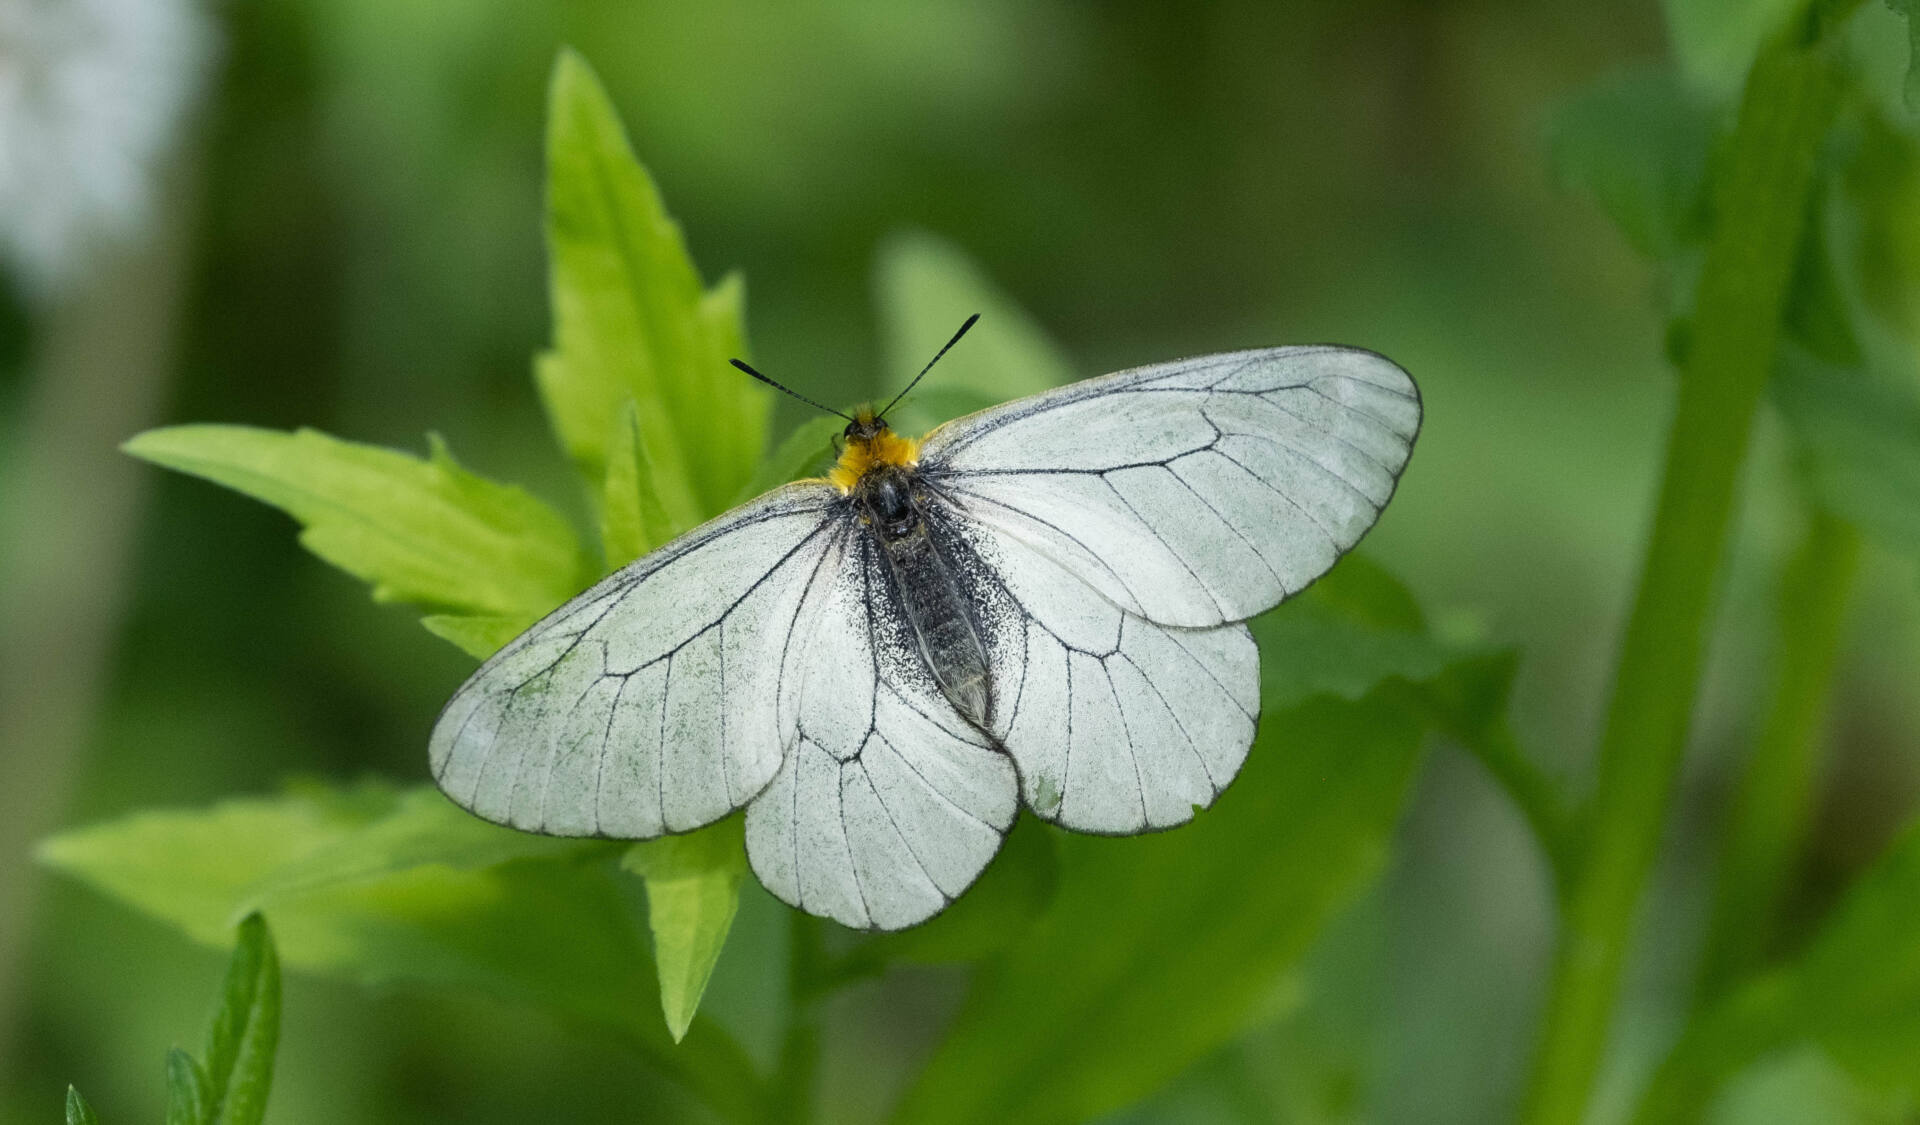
(1768, 822)
(795, 1087)
(1761, 206)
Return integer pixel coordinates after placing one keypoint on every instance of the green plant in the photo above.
(228, 1084)
(378, 883)
(1773, 226)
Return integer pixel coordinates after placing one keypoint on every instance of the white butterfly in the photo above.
(1041, 603)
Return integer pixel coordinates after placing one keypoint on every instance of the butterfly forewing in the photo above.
(1162, 486)
(645, 705)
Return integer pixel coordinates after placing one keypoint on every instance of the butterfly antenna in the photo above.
(929, 367)
(742, 365)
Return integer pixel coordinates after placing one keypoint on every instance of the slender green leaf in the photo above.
(1637, 144)
(693, 890)
(925, 288)
(631, 321)
(189, 1098)
(78, 1111)
(632, 519)
(477, 635)
(806, 452)
(425, 531)
(246, 1030)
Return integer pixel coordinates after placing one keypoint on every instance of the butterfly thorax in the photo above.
(870, 446)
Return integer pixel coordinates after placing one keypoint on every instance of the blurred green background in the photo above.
(343, 231)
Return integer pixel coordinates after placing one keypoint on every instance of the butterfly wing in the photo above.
(644, 705)
(888, 804)
(1196, 492)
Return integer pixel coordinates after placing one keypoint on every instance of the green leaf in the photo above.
(631, 321)
(479, 636)
(1351, 631)
(421, 828)
(693, 890)
(246, 1030)
(1854, 991)
(806, 452)
(78, 1111)
(553, 928)
(632, 519)
(1160, 948)
(1860, 436)
(925, 288)
(423, 531)
(1637, 143)
(189, 1100)
(1857, 990)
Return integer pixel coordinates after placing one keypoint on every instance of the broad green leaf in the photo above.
(1160, 948)
(78, 1111)
(555, 930)
(423, 531)
(1637, 143)
(1352, 630)
(1860, 435)
(246, 1030)
(806, 452)
(693, 890)
(631, 321)
(422, 828)
(189, 1098)
(479, 636)
(925, 288)
(632, 519)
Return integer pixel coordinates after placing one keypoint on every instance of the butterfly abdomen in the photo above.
(929, 593)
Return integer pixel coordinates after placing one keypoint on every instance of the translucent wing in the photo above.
(1118, 724)
(1191, 493)
(645, 705)
(888, 804)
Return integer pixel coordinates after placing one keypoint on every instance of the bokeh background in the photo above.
(326, 212)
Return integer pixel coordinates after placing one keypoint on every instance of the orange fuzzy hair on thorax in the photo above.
(865, 454)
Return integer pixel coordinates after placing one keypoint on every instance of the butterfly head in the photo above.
(870, 445)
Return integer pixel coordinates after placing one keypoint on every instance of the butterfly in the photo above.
(1040, 604)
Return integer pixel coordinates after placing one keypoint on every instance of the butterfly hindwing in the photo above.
(888, 804)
